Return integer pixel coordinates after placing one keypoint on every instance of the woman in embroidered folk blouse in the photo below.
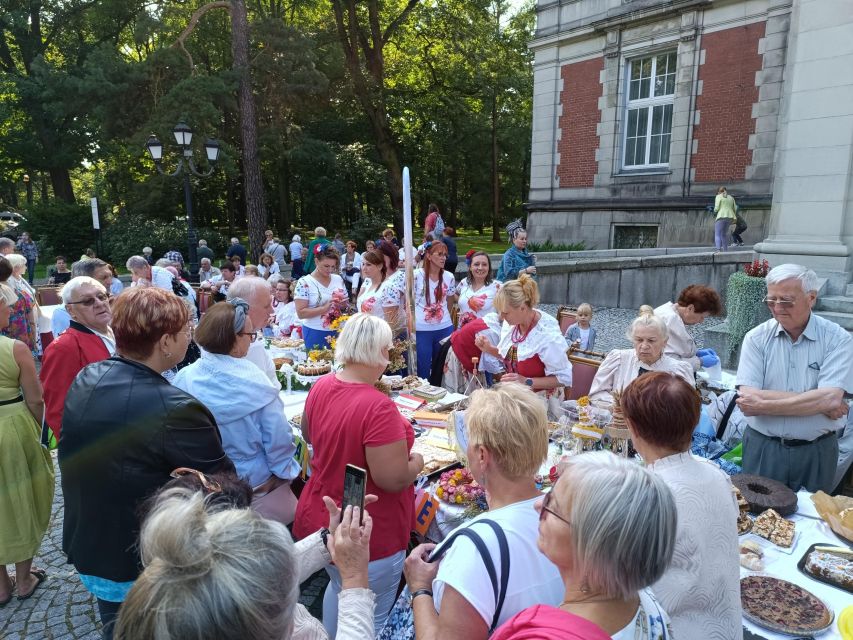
(435, 291)
(531, 344)
(320, 298)
(477, 291)
(283, 307)
(370, 295)
(700, 589)
(649, 334)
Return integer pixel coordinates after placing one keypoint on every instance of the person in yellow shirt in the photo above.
(725, 208)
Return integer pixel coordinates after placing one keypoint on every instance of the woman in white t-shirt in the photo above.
(477, 291)
(267, 266)
(507, 442)
(283, 308)
(435, 291)
(320, 298)
(370, 295)
(609, 525)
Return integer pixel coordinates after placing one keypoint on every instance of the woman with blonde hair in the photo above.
(349, 421)
(449, 585)
(26, 493)
(532, 346)
(649, 334)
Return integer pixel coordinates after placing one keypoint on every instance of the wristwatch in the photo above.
(420, 592)
(528, 382)
(324, 536)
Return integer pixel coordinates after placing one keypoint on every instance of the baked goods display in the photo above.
(773, 527)
(312, 368)
(279, 362)
(763, 493)
(404, 384)
(782, 606)
(751, 556)
(744, 522)
(833, 565)
(288, 343)
(434, 457)
(586, 433)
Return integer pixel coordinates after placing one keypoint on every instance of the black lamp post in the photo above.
(183, 136)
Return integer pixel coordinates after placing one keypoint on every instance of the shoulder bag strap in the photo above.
(503, 546)
(724, 421)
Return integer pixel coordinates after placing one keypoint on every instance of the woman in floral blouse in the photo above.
(321, 298)
(435, 290)
(477, 291)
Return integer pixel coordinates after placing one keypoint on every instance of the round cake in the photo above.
(763, 493)
(313, 368)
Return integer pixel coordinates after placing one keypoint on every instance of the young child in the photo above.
(581, 334)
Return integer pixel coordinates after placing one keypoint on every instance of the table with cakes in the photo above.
(796, 549)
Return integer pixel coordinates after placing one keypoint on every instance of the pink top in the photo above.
(343, 419)
(543, 621)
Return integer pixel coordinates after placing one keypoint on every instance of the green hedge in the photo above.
(744, 306)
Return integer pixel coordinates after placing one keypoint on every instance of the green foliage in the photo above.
(744, 306)
(61, 229)
(130, 233)
(541, 247)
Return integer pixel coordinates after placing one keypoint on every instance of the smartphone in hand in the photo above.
(355, 486)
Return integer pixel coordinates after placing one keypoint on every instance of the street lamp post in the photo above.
(183, 136)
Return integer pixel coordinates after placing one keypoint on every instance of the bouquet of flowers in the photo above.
(757, 269)
(340, 304)
(458, 486)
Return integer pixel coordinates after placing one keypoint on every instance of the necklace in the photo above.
(586, 600)
(517, 337)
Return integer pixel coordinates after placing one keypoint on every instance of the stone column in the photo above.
(812, 212)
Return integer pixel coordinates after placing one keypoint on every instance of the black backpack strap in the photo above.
(503, 546)
(724, 421)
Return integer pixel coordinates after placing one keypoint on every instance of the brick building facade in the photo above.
(643, 108)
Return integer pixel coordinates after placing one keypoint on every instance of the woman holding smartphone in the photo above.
(349, 421)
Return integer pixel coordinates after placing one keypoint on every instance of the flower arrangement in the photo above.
(458, 486)
(338, 323)
(757, 269)
(583, 401)
(338, 308)
(321, 355)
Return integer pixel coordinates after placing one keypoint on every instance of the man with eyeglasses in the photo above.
(89, 339)
(792, 376)
(258, 293)
(92, 267)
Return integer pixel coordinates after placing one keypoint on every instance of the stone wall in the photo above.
(628, 282)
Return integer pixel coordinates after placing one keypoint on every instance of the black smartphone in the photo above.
(355, 486)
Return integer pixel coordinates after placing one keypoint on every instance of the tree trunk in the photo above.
(496, 185)
(284, 217)
(253, 187)
(60, 179)
(454, 192)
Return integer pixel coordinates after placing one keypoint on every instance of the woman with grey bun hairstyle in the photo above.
(220, 572)
(610, 527)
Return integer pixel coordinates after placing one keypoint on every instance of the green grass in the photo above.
(467, 239)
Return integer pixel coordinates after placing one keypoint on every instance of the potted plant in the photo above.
(745, 306)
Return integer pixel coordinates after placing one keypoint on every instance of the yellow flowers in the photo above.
(338, 323)
(583, 401)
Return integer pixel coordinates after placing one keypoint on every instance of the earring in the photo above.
(169, 354)
(584, 586)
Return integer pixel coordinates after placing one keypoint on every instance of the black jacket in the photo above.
(124, 429)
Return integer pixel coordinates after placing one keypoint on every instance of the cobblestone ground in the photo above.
(62, 609)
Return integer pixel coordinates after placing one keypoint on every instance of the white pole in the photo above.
(410, 262)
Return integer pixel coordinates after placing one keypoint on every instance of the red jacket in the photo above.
(63, 359)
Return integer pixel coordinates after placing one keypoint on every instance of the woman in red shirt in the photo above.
(348, 421)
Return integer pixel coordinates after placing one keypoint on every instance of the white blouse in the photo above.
(369, 301)
(310, 289)
(285, 316)
(393, 291)
(435, 315)
(544, 340)
(622, 366)
(485, 294)
(680, 344)
(701, 588)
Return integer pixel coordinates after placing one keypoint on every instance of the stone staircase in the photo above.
(839, 309)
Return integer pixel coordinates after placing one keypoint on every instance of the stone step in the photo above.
(849, 291)
(840, 304)
(844, 320)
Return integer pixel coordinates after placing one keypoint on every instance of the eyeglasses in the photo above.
(779, 302)
(252, 334)
(88, 302)
(210, 485)
(546, 508)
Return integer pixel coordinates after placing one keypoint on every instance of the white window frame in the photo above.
(650, 103)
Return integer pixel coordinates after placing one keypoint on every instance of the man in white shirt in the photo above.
(258, 293)
(207, 271)
(219, 284)
(792, 376)
(144, 274)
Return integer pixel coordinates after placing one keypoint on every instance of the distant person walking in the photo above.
(740, 227)
(204, 251)
(725, 207)
(434, 223)
(236, 249)
(30, 251)
(296, 253)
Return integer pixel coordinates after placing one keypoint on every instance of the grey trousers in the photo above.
(810, 466)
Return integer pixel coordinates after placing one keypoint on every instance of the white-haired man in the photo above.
(89, 339)
(258, 293)
(206, 271)
(146, 275)
(792, 376)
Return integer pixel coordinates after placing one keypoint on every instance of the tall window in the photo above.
(648, 119)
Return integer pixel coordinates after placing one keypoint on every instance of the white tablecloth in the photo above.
(45, 317)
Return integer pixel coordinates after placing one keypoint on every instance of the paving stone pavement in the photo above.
(62, 609)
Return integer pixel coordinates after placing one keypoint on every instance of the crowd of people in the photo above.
(182, 479)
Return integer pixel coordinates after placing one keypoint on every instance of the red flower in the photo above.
(433, 313)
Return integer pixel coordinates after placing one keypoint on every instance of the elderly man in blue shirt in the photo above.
(792, 376)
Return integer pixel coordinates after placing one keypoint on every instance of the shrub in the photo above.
(744, 306)
(540, 247)
(60, 228)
